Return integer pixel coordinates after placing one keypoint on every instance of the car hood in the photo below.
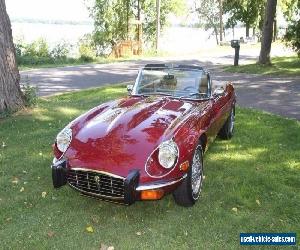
(119, 136)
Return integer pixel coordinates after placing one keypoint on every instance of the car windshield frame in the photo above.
(173, 82)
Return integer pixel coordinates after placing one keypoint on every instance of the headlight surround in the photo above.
(63, 139)
(168, 154)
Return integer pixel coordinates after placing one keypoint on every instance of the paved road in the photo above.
(279, 95)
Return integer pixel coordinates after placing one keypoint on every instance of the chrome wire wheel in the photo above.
(197, 173)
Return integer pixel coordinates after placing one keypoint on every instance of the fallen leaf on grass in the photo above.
(105, 247)
(44, 194)
(15, 180)
(95, 220)
(234, 209)
(257, 202)
(50, 234)
(89, 229)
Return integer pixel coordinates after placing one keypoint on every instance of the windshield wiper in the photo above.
(190, 95)
(200, 95)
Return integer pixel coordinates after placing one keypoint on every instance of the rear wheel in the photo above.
(226, 132)
(189, 190)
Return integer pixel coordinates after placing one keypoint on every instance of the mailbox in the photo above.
(236, 45)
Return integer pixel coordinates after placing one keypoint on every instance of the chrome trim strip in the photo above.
(103, 199)
(56, 161)
(160, 185)
(97, 195)
(98, 171)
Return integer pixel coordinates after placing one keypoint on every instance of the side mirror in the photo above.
(129, 88)
(218, 91)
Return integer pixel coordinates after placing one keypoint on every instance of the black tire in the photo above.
(184, 195)
(227, 131)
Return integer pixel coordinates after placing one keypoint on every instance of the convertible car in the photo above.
(150, 143)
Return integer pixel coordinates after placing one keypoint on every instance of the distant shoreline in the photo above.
(45, 21)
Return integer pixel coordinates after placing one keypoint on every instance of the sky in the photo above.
(68, 10)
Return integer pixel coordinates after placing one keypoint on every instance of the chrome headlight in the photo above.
(168, 154)
(64, 139)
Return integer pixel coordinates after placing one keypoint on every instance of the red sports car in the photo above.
(150, 143)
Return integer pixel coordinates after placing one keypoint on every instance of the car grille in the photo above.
(96, 184)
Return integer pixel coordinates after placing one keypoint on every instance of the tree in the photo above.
(267, 35)
(245, 11)
(11, 97)
(111, 22)
(292, 36)
(209, 15)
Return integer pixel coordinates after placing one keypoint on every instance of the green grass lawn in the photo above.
(289, 66)
(251, 185)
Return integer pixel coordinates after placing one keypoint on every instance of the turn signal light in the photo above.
(184, 166)
(152, 194)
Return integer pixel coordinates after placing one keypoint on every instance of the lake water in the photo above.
(53, 33)
(173, 39)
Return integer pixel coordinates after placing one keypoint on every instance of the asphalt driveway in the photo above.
(279, 95)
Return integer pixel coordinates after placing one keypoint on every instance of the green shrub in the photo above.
(292, 36)
(86, 49)
(61, 50)
(38, 48)
(30, 94)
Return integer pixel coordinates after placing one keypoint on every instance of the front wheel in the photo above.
(226, 132)
(189, 190)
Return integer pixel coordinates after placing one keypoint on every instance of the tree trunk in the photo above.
(221, 19)
(267, 35)
(247, 29)
(275, 30)
(11, 97)
(216, 34)
(157, 24)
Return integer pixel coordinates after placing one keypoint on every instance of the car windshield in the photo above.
(178, 83)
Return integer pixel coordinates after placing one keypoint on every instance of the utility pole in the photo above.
(139, 19)
(139, 27)
(127, 7)
(157, 24)
(221, 19)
